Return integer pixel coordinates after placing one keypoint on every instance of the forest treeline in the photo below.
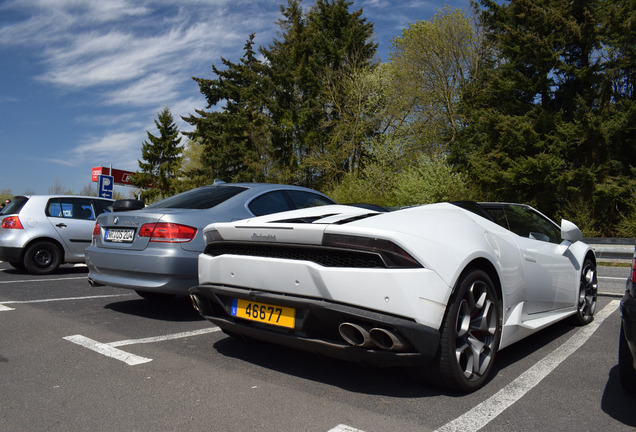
(530, 101)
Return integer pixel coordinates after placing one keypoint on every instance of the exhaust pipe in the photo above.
(92, 283)
(355, 334)
(387, 339)
(195, 302)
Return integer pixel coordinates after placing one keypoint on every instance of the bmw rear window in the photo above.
(201, 198)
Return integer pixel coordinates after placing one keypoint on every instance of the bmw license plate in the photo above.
(119, 235)
(264, 313)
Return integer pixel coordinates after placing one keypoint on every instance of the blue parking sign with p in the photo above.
(106, 184)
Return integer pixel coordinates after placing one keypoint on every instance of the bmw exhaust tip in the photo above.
(355, 334)
(92, 283)
(195, 302)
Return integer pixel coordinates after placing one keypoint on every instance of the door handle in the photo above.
(61, 225)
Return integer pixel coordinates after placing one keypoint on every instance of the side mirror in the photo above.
(570, 232)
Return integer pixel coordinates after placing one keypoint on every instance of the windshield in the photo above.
(14, 206)
(200, 198)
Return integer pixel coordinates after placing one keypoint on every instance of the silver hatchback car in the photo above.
(155, 250)
(38, 233)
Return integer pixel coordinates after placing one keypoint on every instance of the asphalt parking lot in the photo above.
(73, 357)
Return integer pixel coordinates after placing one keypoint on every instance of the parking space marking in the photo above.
(111, 350)
(344, 428)
(613, 278)
(6, 308)
(41, 280)
(107, 350)
(492, 407)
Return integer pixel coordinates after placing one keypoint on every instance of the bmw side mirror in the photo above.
(570, 232)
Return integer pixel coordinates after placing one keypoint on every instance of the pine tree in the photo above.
(543, 123)
(311, 46)
(235, 134)
(161, 157)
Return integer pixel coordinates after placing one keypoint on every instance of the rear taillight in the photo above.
(12, 222)
(96, 229)
(167, 232)
(392, 254)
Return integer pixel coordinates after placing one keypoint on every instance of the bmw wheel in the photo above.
(588, 293)
(470, 334)
(42, 257)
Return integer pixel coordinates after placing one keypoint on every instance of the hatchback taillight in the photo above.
(167, 232)
(12, 222)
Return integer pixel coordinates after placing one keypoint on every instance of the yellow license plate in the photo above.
(265, 313)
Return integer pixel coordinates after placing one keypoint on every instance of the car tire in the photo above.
(155, 296)
(470, 334)
(588, 294)
(42, 257)
(626, 371)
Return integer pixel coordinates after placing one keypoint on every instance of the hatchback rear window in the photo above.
(14, 206)
(201, 198)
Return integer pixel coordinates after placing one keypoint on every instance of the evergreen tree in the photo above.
(235, 134)
(542, 121)
(161, 157)
(328, 38)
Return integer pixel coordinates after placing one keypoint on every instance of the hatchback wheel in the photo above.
(43, 257)
(470, 334)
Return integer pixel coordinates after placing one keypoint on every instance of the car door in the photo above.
(550, 275)
(73, 219)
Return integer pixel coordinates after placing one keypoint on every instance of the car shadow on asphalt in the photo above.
(386, 381)
(353, 377)
(616, 402)
(178, 309)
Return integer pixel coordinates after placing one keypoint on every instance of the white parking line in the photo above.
(41, 280)
(109, 350)
(492, 407)
(344, 428)
(6, 308)
(613, 278)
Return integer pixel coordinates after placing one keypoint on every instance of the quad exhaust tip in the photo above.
(367, 337)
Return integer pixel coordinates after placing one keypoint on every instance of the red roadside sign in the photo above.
(119, 176)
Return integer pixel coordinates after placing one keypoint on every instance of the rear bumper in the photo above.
(316, 326)
(10, 254)
(628, 316)
(169, 271)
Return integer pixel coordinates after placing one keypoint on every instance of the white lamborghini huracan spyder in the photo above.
(439, 288)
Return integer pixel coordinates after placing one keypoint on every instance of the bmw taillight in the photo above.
(392, 254)
(96, 229)
(166, 232)
(12, 222)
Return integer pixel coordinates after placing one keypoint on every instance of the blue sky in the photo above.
(81, 81)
